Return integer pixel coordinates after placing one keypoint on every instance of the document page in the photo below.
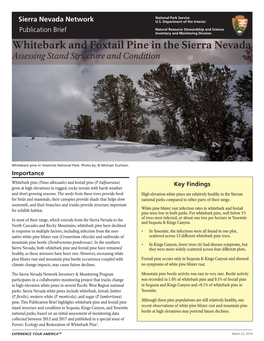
(133, 185)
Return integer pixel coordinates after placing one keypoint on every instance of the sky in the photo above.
(45, 97)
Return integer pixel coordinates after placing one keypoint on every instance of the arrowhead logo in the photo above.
(239, 24)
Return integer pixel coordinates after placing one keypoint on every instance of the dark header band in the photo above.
(131, 25)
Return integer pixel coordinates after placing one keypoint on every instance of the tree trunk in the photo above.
(195, 131)
(213, 138)
(120, 126)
